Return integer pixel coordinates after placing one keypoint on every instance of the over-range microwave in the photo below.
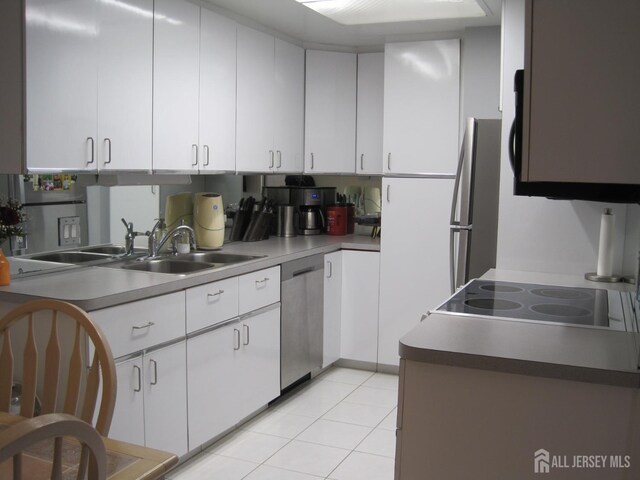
(575, 135)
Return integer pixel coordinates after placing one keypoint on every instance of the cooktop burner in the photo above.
(582, 306)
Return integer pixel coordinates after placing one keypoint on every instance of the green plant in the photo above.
(11, 218)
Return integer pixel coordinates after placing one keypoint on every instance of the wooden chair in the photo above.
(25, 329)
(17, 440)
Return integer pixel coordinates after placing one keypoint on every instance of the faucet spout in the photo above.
(171, 235)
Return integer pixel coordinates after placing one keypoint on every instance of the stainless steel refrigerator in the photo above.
(474, 209)
(56, 216)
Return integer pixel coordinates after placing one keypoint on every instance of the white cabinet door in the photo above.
(330, 112)
(332, 312)
(61, 85)
(369, 123)
(260, 365)
(255, 102)
(289, 107)
(421, 106)
(360, 284)
(217, 93)
(125, 85)
(258, 289)
(165, 398)
(128, 415)
(213, 382)
(175, 85)
(414, 256)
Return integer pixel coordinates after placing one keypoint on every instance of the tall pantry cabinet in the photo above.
(421, 107)
(414, 260)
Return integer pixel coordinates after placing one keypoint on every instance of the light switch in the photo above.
(69, 231)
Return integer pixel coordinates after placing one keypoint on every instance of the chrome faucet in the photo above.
(156, 245)
(130, 236)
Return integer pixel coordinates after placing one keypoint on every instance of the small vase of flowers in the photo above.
(11, 224)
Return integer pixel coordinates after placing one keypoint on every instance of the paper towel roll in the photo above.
(179, 208)
(208, 216)
(605, 247)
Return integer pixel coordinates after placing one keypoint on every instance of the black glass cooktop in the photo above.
(582, 306)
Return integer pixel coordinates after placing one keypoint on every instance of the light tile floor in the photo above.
(339, 426)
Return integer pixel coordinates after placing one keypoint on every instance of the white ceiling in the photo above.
(301, 23)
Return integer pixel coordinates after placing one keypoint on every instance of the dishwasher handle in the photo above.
(301, 266)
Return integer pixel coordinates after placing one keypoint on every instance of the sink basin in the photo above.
(215, 257)
(70, 257)
(106, 249)
(168, 265)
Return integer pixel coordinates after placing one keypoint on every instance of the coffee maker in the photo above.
(310, 204)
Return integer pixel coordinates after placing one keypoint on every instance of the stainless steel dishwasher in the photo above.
(302, 316)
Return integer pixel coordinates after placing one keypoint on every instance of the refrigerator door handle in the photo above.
(456, 186)
(453, 267)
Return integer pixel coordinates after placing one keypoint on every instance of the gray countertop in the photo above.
(554, 351)
(94, 287)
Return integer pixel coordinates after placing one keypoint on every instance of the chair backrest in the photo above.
(22, 442)
(46, 335)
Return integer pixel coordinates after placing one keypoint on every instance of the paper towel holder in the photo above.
(605, 252)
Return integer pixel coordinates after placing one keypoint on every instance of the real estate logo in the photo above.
(541, 461)
(544, 462)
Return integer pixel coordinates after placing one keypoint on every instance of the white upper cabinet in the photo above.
(61, 85)
(176, 86)
(289, 107)
(256, 63)
(421, 107)
(370, 102)
(330, 112)
(125, 70)
(217, 137)
(269, 103)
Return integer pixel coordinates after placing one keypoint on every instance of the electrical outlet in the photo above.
(69, 231)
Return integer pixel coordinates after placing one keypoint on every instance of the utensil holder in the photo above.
(240, 225)
(258, 227)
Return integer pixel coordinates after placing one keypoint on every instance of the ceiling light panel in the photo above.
(360, 12)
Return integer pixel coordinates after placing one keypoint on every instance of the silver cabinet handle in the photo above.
(330, 269)
(362, 161)
(236, 339)
(389, 161)
(139, 371)
(246, 337)
(107, 139)
(195, 146)
(271, 161)
(264, 280)
(219, 292)
(311, 161)
(206, 157)
(93, 157)
(140, 327)
(388, 194)
(155, 372)
(279, 159)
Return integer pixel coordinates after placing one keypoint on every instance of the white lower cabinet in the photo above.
(332, 308)
(151, 405)
(233, 370)
(360, 285)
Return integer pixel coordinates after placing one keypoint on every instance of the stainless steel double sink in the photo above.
(112, 256)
